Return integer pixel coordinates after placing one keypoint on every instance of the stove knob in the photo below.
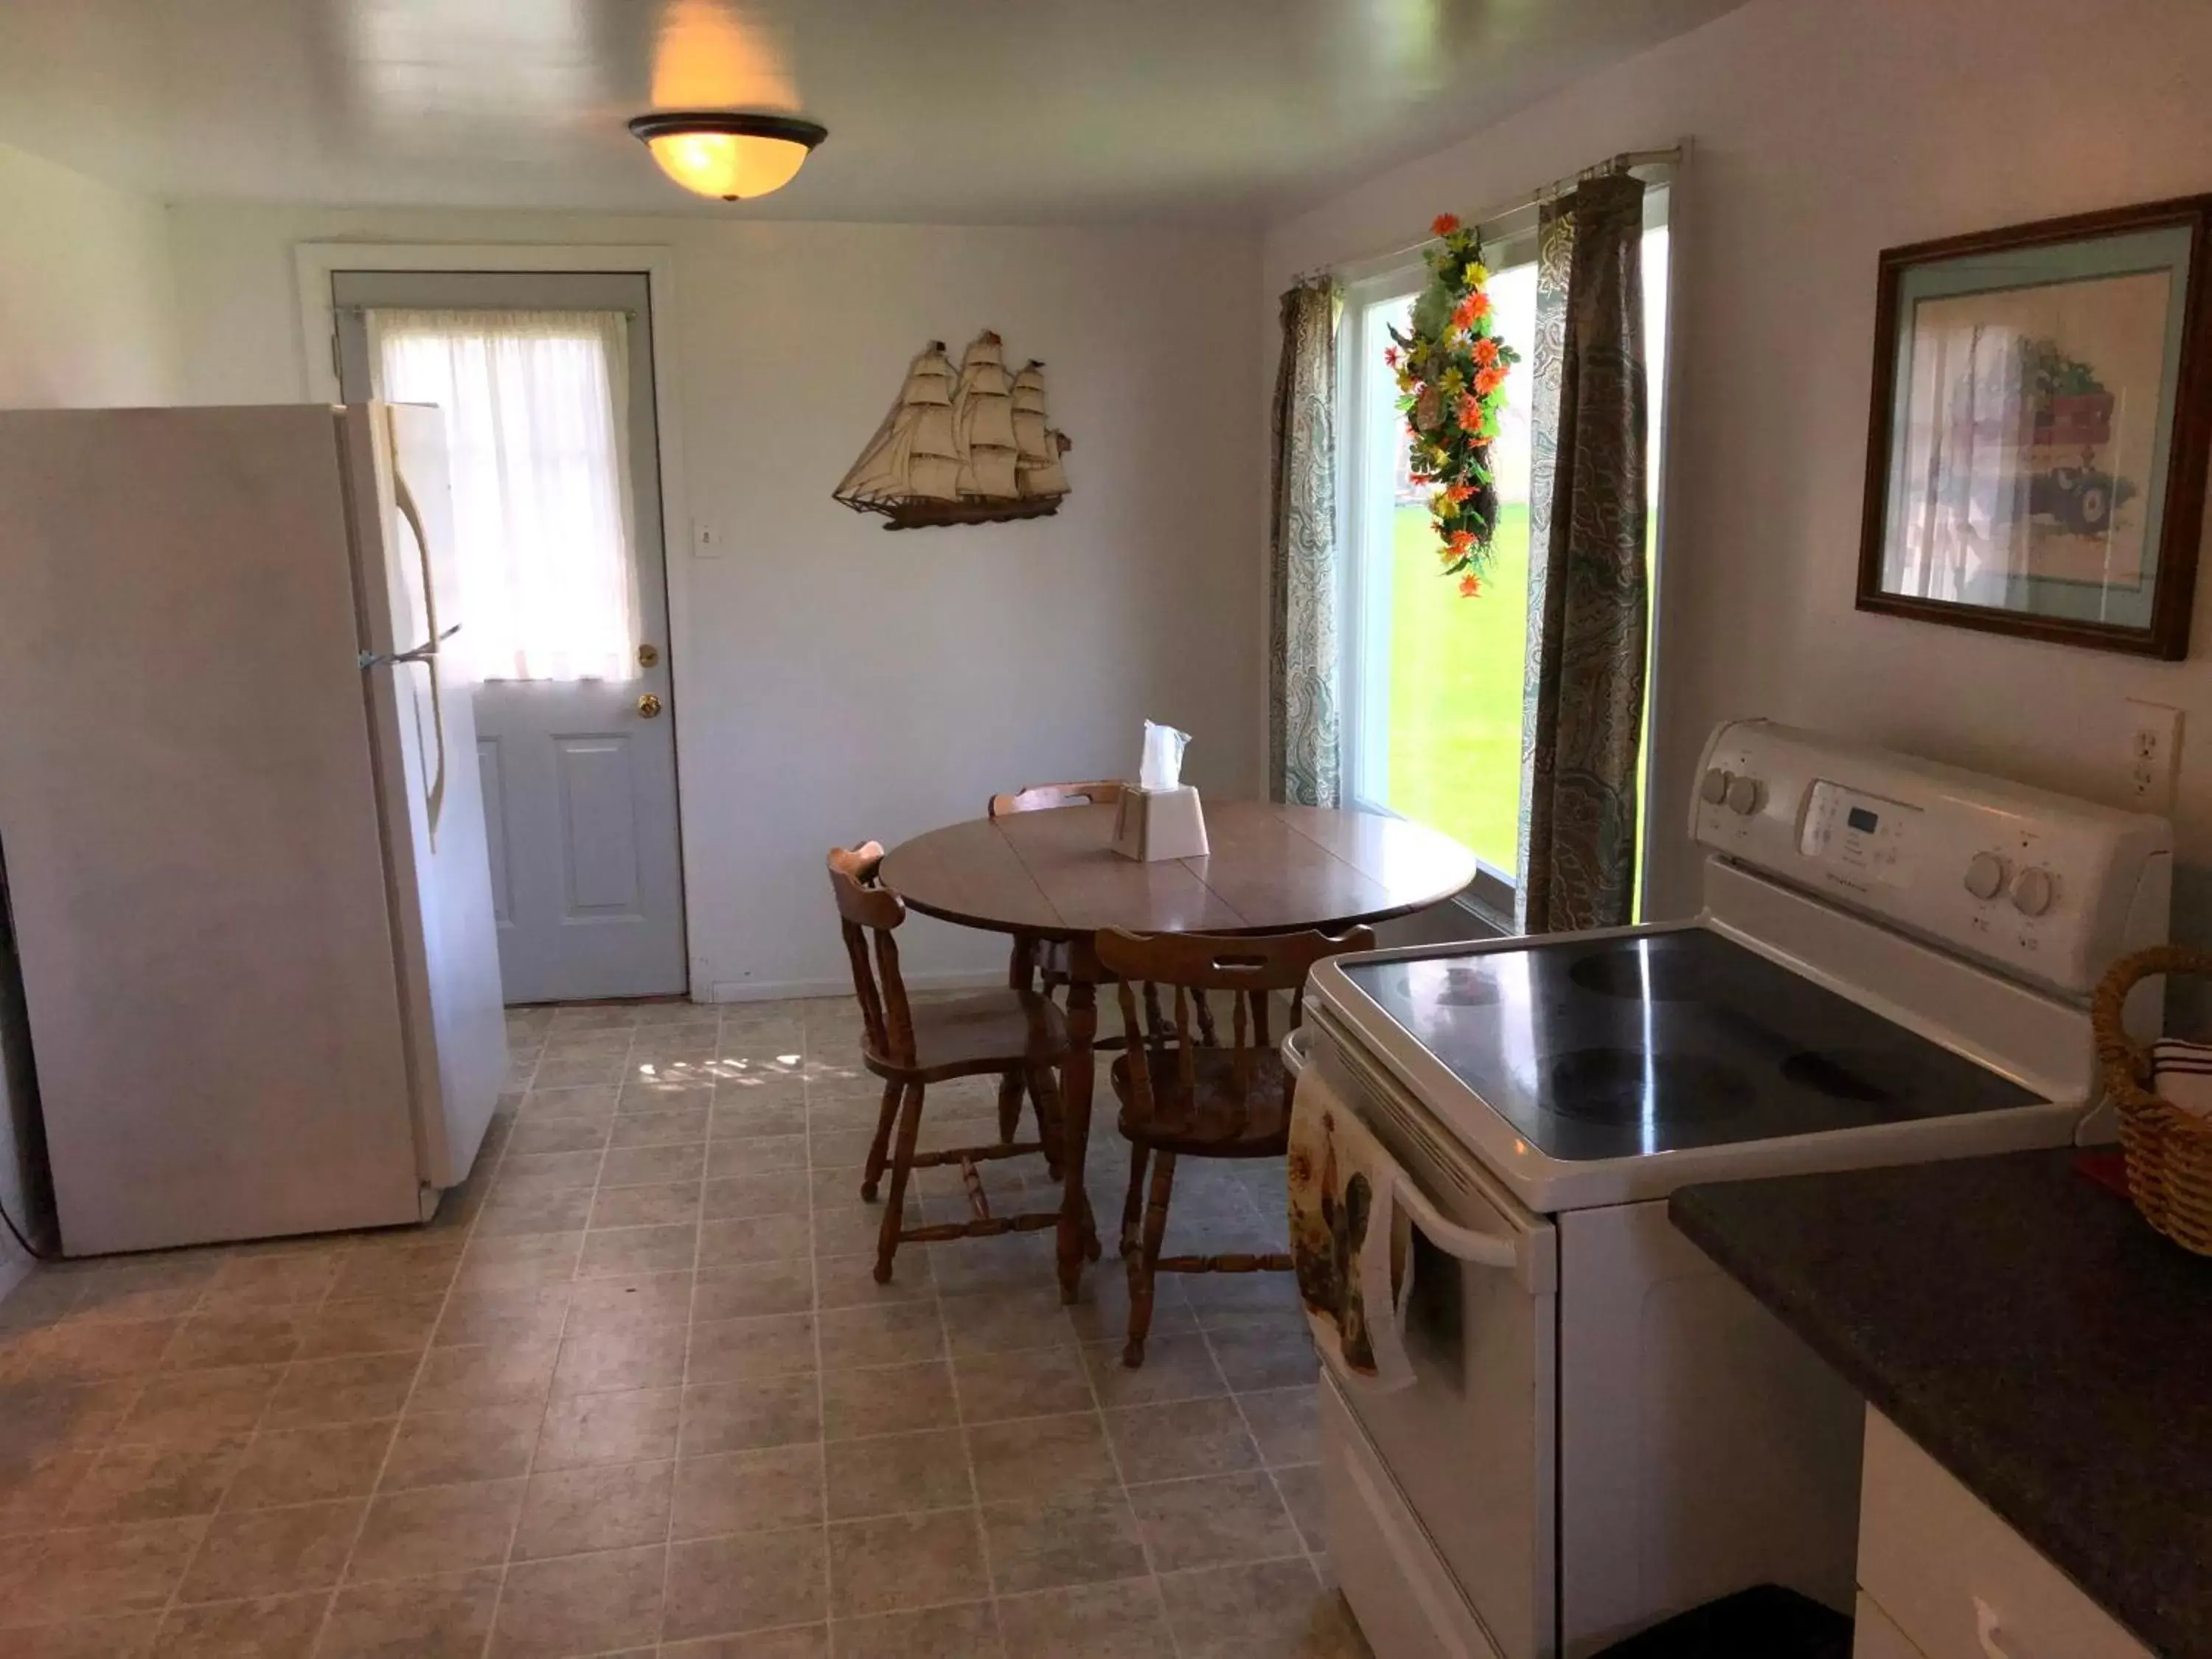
(1985, 876)
(1714, 790)
(2034, 891)
(1744, 796)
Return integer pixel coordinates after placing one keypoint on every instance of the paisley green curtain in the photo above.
(1302, 719)
(1588, 606)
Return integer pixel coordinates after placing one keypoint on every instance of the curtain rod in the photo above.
(1624, 162)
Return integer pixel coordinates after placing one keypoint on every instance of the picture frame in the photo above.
(2041, 418)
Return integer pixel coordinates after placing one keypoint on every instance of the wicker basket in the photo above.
(2169, 1151)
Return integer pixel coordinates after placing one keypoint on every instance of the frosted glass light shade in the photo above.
(734, 156)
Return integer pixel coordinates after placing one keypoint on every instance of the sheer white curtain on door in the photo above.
(536, 404)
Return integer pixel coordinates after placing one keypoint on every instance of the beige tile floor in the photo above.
(635, 1393)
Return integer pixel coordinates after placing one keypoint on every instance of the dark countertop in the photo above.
(2030, 1332)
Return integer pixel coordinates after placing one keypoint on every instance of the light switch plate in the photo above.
(706, 539)
(2153, 756)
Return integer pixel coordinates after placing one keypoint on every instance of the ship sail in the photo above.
(961, 446)
(983, 422)
(913, 453)
(1037, 447)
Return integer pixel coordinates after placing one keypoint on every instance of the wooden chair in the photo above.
(1183, 1095)
(1044, 797)
(1030, 962)
(1047, 964)
(1042, 965)
(1016, 1035)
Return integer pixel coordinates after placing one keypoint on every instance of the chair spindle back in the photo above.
(1252, 970)
(869, 914)
(1045, 797)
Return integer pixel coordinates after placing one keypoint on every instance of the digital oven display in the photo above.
(1861, 820)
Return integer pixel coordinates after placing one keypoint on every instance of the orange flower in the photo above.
(1470, 412)
(1487, 380)
(1458, 492)
(1478, 304)
(1463, 315)
(1485, 352)
(1470, 586)
(1445, 223)
(1423, 478)
(1460, 544)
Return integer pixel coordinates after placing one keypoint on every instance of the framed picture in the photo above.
(2042, 411)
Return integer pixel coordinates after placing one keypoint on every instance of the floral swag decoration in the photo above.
(1452, 383)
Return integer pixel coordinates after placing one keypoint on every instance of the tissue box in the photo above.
(1160, 823)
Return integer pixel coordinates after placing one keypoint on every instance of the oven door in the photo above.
(1443, 1494)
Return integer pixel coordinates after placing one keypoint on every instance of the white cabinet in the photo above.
(1945, 1579)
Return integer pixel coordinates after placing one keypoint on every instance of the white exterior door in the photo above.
(578, 771)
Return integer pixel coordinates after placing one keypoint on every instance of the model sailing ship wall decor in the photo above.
(969, 445)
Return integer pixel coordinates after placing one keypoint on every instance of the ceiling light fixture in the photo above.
(724, 153)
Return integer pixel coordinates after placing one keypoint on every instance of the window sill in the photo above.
(1486, 911)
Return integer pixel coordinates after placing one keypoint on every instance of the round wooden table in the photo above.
(1054, 875)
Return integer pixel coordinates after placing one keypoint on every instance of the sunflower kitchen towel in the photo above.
(1348, 1240)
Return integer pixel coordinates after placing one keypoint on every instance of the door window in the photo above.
(534, 404)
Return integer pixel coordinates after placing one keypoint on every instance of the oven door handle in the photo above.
(1464, 1243)
(1479, 1249)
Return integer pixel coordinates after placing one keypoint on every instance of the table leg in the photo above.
(1075, 1244)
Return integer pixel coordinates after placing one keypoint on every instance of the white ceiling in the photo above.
(938, 110)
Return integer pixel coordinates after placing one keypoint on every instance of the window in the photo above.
(541, 506)
(1433, 683)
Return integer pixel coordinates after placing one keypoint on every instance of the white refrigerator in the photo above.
(242, 820)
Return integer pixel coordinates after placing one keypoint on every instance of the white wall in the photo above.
(85, 314)
(1824, 130)
(85, 319)
(835, 682)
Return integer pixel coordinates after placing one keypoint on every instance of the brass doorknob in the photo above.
(648, 705)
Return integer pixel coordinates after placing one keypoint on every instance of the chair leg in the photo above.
(1021, 964)
(880, 1148)
(1044, 1100)
(1133, 1207)
(1010, 1105)
(909, 1127)
(1144, 1266)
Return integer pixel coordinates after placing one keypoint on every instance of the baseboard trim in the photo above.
(748, 990)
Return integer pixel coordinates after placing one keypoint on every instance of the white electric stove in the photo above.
(1893, 963)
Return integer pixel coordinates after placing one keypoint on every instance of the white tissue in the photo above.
(1160, 766)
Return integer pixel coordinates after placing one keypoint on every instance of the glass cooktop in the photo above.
(1600, 1048)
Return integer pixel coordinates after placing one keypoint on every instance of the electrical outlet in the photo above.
(2153, 756)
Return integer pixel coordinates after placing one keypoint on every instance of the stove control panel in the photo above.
(1860, 834)
(2045, 886)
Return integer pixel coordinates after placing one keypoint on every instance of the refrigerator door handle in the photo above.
(423, 653)
(404, 499)
(433, 795)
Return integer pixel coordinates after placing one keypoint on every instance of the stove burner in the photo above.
(1860, 1075)
(1626, 1085)
(1631, 972)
